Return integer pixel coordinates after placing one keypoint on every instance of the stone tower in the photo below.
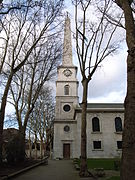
(66, 101)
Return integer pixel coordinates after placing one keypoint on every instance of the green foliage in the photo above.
(107, 164)
(15, 150)
(117, 165)
(99, 164)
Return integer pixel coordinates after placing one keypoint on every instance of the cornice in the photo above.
(56, 121)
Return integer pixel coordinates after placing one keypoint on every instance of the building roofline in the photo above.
(104, 105)
(101, 107)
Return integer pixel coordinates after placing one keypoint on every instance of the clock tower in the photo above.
(66, 101)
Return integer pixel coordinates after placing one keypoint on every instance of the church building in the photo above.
(104, 120)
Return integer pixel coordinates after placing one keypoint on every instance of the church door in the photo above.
(66, 151)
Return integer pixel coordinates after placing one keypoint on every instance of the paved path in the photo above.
(55, 170)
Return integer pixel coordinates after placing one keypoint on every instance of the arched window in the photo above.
(66, 90)
(95, 124)
(118, 124)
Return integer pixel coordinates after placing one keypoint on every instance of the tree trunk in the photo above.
(30, 149)
(35, 145)
(41, 149)
(2, 112)
(83, 166)
(128, 147)
(22, 127)
(22, 144)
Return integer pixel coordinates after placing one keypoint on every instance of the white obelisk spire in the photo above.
(67, 45)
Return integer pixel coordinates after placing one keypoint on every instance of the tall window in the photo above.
(66, 90)
(95, 124)
(118, 124)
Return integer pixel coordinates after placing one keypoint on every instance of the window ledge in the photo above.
(96, 132)
(67, 132)
(97, 150)
(119, 149)
(119, 132)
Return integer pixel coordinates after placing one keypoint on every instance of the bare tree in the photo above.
(29, 81)
(127, 165)
(94, 43)
(16, 49)
(5, 8)
(42, 117)
(128, 146)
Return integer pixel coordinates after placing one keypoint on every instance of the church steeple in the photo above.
(67, 45)
(66, 99)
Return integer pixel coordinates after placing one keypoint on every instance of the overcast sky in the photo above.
(109, 82)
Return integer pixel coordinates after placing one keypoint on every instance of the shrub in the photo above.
(117, 165)
(15, 150)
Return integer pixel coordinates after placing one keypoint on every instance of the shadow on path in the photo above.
(55, 170)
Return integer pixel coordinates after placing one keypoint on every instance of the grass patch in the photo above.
(106, 164)
(112, 164)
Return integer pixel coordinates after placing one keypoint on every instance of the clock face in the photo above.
(67, 72)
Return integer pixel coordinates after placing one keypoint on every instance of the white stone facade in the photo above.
(107, 134)
(102, 142)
